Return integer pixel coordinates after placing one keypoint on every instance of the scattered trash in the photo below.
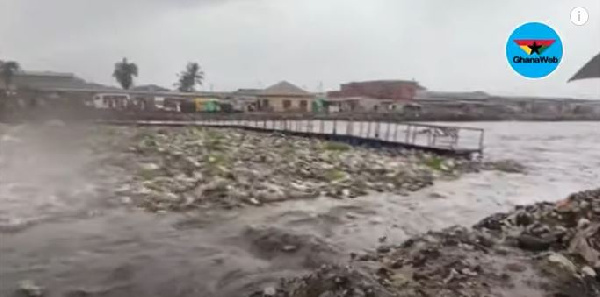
(189, 168)
(28, 288)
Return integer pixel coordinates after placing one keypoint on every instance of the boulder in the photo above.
(586, 243)
(533, 243)
(561, 262)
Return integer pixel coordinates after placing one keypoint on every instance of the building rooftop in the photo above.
(452, 95)
(284, 88)
(55, 81)
(386, 82)
(149, 88)
(247, 92)
(44, 80)
(29, 73)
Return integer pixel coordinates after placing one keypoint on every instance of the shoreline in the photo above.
(543, 249)
(82, 114)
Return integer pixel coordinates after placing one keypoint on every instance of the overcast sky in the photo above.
(454, 45)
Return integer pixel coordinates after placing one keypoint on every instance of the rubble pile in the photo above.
(545, 249)
(564, 238)
(329, 281)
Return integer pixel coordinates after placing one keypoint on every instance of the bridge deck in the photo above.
(461, 141)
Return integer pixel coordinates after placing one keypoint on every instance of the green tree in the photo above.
(8, 70)
(190, 77)
(125, 72)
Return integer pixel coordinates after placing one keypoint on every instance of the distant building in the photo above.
(285, 97)
(34, 88)
(379, 95)
(244, 100)
(360, 104)
(108, 101)
(397, 90)
(45, 80)
(423, 95)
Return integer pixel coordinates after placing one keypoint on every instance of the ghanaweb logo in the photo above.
(534, 50)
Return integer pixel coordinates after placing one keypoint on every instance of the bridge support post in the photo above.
(414, 134)
(347, 127)
(334, 127)
(387, 132)
(360, 128)
(322, 126)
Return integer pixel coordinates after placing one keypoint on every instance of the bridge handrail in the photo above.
(415, 134)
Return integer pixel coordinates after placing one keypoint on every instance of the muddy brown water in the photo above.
(59, 229)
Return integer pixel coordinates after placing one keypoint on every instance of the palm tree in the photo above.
(124, 73)
(190, 77)
(8, 70)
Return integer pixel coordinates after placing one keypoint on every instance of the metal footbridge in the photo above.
(447, 140)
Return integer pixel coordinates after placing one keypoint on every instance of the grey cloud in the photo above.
(447, 45)
(72, 21)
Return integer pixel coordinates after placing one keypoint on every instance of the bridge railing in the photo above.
(453, 138)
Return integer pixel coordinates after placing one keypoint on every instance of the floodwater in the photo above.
(61, 230)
